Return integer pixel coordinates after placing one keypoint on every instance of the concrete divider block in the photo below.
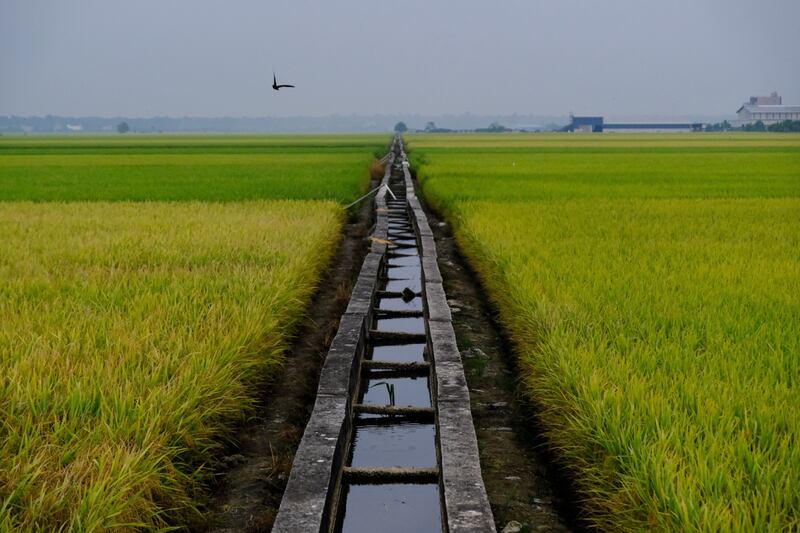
(381, 230)
(468, 509)
(428, 246)
(420, 217)
(424, 230)
(336, 374)
(430, 269)
(443, 342)
(371, 266)
(364, 289)
(304, 506)
(438, 310)
(451, 385)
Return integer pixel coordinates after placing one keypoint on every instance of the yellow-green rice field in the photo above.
(651, 284)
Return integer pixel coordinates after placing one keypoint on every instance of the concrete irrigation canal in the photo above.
(390, 445)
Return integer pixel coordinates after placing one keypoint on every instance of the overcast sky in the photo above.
(215, 58)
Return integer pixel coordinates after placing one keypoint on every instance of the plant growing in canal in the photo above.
(389, 390)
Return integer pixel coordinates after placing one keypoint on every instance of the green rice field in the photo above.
(147, 286)
(204, 168)
(651, 285)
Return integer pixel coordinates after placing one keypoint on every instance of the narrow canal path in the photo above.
(391, 445)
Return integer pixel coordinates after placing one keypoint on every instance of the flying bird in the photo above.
(275, 83)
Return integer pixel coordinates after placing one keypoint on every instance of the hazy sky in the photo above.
(212, 58)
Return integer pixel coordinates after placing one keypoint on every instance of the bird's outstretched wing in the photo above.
(274, 79)
(287, 85)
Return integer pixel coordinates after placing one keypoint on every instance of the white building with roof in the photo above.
(768, 109)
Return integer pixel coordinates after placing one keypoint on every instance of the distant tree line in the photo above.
(779, 127)
(494, 127)
(431, 127)
(785, 126)
(719, 126)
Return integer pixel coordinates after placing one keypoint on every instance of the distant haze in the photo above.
(540, 57)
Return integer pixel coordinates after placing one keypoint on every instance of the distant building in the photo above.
(599, 125)
(773, 99)
(767, 109)
(592, 124)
